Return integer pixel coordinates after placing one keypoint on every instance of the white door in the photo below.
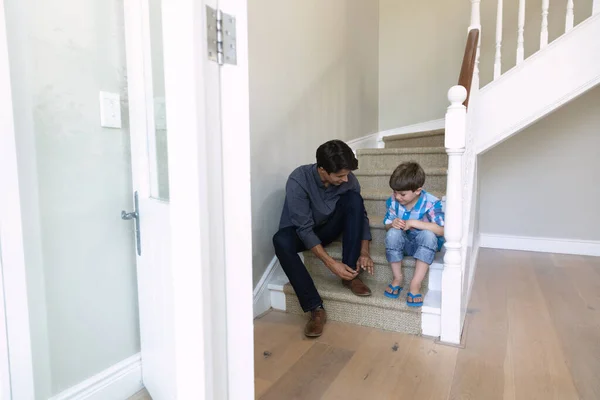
(150, 205)
(189, 121)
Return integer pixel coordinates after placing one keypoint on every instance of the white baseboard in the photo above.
(420, 127)
(262, 297)
(540, 244)
(372, 141)
(431, 313)
(375, 140)
(118, 382)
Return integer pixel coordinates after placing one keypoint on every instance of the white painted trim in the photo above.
(275, 287)
(540, 244)
(500, 114)
(372, 141)
(431, 314)
(120, 381)
(375, 140)
(420, 127)
(14, 280)
(235, 120)
(262, 296)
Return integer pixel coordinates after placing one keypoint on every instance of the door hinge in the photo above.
(221, 35)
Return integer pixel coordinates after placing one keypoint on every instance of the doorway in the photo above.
(74, 167)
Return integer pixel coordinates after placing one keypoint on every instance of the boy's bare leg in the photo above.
(420, 271)
(397, 271)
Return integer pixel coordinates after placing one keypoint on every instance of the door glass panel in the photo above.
(159, 170)
(75, 178)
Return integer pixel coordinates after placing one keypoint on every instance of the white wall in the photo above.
(544, 182)
(422, 45)
(313, 77)
(75, 180)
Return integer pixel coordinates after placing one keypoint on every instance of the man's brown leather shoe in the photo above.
(314, 326)
(358, 287)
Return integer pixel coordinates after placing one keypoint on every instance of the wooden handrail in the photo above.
(468, 64)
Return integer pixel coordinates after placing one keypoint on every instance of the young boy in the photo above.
(415, 227)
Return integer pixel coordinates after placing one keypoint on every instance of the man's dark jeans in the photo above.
(348, 219)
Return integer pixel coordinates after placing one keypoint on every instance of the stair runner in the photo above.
(376, 165)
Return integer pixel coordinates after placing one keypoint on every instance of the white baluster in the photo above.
(498, 58)
(456, 118)
(475, 14)
(476, 24)
(521, 35)
(570, 15)
(544, 33)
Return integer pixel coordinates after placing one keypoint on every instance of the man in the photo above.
(323, 201)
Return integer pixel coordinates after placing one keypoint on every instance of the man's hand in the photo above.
(366, 263)
(342, 270)
(399, 224)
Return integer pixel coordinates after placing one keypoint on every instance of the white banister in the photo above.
(455, 139)
(521, 33)
(498, 58)
(544, 33)
(569, 22)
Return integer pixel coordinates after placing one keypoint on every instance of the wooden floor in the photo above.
(533, 332)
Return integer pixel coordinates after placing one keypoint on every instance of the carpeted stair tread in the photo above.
(377, 251)
(386, 173)
(376, 311)
(383, 195)
(407, 150)
(415, 135)
(333, 289)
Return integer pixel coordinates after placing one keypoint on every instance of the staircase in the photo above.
(378, 311)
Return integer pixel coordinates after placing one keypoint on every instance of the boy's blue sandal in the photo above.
(413, 297)
(392, 295)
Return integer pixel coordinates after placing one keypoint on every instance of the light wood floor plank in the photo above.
(277, 347)
(575, 286)
(374, 369)
(537, 357)
(481, 367)
(310, 377)
(426, 372)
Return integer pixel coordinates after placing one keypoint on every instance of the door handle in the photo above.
(135, 215)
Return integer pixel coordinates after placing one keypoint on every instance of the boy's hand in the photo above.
(399, 224)
(408, 224)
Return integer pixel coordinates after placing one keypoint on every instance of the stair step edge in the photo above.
(435, 132)
(375, 172)
(405, 150)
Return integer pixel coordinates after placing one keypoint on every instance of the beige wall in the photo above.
(75, 178)
(422, 44)
(313, 77)
(545, 181)
(420, 50)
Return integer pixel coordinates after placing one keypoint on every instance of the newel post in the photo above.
(456, 117)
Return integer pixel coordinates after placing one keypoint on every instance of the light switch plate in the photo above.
(110, 110)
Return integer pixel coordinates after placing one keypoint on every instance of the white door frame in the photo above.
(195, 175)
(211, 220)
(14, 309)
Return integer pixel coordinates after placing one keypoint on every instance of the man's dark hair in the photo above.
(335, 155)
(407, 176)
